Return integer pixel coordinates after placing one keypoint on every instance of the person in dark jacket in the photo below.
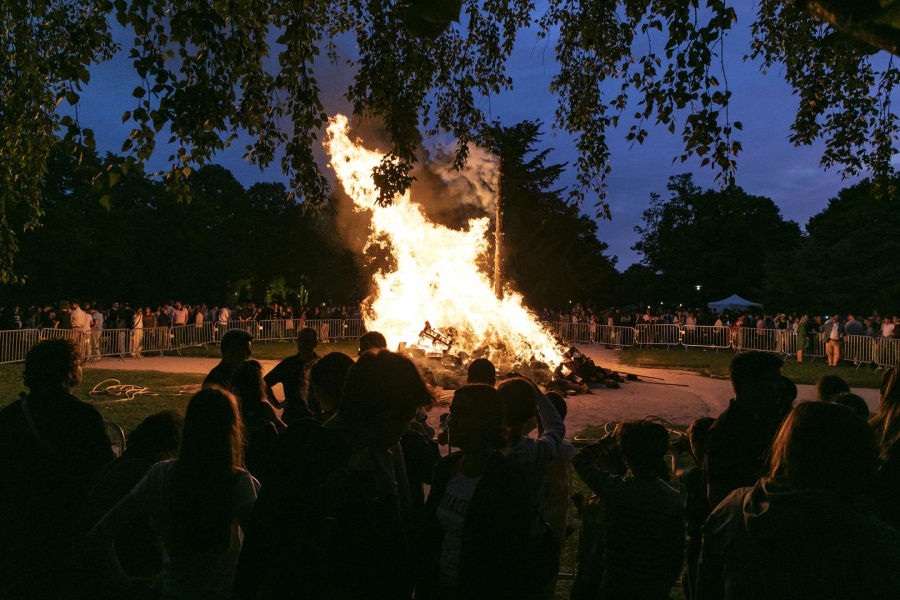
(138, 545)
(479, 512)
(805, 531)
(327, 524)
(51, 446)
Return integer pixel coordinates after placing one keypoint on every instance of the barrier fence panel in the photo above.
(327, 329)
(611, 335)
(706, 336)
(199, 334)
(158, 339)
(15, 344)
(887, 352)
(762, 340)
(657, 335)
(354, 328)
(251, 327)
(111, 342)
(276, 330)
(579, 333)
(816, 347)
(858, 349)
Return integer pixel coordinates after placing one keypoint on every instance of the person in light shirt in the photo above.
(887, 328)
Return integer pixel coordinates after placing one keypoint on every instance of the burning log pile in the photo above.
(447, 369)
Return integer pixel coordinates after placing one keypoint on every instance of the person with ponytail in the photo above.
(198, 501)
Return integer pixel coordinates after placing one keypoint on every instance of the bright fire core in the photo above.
(436, 279)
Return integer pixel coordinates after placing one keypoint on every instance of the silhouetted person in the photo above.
(644, 530)
(235, 348)
(138, 547)
(803, 530)
(198, 501)
(51, 446)
(481, 370)
(696, 505)
(260, 433)
(293, 375)
(479, 513)
(740, 439)
(887, 430)
(372, 340)
(854, 403)
(326, 381)
(829, 387)
(328, 523)
(788, 397)
(523, 405)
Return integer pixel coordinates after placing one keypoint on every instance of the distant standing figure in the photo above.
(802, 339)
(834, 336)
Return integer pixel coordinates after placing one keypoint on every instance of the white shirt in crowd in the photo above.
(180, 316)
(81, 321)
(224, 315)
(138, 321)
(835, 334)
(452, 516)
(887, 328)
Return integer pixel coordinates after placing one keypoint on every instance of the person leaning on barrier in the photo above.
(51, 446)
(235, 348)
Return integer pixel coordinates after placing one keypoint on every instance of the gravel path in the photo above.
(677, 396)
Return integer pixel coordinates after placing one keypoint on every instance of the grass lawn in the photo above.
(713, 364)
(274, 350)
(173, 390)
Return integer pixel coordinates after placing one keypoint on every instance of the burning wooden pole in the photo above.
(498, 234)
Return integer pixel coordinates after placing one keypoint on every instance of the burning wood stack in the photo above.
(447, 369)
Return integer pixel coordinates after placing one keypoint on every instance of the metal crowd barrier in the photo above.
(612, 335)
(761, 340)
(706, 336)
(859, 349)
(658, 335)
(887, 352)
(15, 344)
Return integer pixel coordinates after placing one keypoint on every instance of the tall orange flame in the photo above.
(436, 278)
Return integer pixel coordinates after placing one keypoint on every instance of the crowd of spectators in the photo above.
(346, 495)
(94, 316)
(875, 325)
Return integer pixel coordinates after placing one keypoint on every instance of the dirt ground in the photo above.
(677, 396)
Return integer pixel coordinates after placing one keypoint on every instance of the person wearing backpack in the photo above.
(484, 538)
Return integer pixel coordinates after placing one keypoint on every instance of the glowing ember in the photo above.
(436, 279)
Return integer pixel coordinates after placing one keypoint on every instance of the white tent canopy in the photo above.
(733, 302)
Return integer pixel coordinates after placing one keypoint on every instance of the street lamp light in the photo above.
(698, 296)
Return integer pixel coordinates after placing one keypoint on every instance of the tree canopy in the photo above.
(213, 70)
(551, 251)
(717, 239)
(847, 261)
(230, 244)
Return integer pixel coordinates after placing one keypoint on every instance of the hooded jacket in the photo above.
(769, 543)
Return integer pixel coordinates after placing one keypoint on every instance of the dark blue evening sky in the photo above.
(769, 165)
